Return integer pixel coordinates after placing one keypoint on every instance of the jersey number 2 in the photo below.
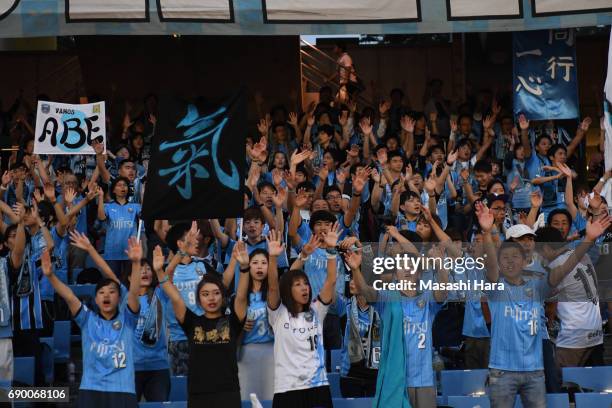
(421, 344)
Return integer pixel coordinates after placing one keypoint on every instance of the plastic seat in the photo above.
(552, 401)
(593, 399)
(86, 293)
(24, 370)
(463, 382)
(61, 341)
(178, 388)
(336, 360)
(352, 402)
(463, 401)
(598, 379)
(48, 358)
(334, 384)
(167, 404)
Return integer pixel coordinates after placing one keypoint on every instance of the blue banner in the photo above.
(545, 75)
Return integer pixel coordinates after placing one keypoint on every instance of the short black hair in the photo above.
(176, 233)
(539, 139)
(107, 282)
(253, 213)
(559, 211)
(306, 185)
(114, 183)
(335, 154)
(125, 161)
(395, 153)
(329, 189)
(483, 166)
(407, 195)
(215, 280)
(327, 129)
(321, 215)
(549, 236)
(554, 148)
(265, 184)
(512, 245)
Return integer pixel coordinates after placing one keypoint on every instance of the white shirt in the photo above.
(299, 357)
(578, 305)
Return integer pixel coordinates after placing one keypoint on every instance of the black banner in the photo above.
(197, 169)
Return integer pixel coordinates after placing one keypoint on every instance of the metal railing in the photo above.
(318, 69)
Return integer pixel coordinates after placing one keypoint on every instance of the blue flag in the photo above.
(545, 75)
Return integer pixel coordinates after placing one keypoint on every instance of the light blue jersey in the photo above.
(60, 264)
(121, 224)
(345, 307)
(108, 357)
(186, 279)
(419, 313)
(516, 332)
(474, 324)
(258, 311)
(150, 340)
(315, 268)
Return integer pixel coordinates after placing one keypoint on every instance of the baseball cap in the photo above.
(518, 230)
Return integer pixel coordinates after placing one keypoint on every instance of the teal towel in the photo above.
(391, 388)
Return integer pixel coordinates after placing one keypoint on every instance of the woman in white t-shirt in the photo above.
(300, 380)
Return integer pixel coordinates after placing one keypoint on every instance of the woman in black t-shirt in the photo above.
(213, 369)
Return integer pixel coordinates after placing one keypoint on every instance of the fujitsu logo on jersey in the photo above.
(411, 327)
(122, 224)
(519, 314)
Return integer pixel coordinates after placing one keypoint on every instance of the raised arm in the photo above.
(20, 237)
(353, 260)
(220, 235)
(582, 130)
(178, 304)
(134, 253)
(486, 219)
(328, 289)
(569, 190)
(240, 301)
(525, 142)
(73, 302)
(101, 211)
(101, 162)
(275, 248)
(81, 241)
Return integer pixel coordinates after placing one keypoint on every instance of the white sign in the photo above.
(63, 128)
(341, 10)
(544, 7)
(464, 9)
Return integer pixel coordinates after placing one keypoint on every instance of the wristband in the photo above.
(164, 280)
(601, 179)
(330, 256)
(182, 253)
(332, 251)
(302, 258)
(245, 270)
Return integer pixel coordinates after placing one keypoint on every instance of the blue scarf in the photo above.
(391, 382)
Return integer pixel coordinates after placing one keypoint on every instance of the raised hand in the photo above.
(80, 240)
(353, 152)
(585, 124)
(275, 244)
(331, 238)
(430, 183)
(564, 169)
(433, 116)
(293, 119)
(297, 158)
(343, 119)
(37, 196)
(6, 178)
(515, 183)
(19, 211)
(158, 259)
(323, 172)
(536, 199)
(488, 122)
(279, 198)
(596, 228)
(263, 126)
(92, 191)
(341, 175)
(49, 190)
(69, 195)
(134, 251)
(191, 239)
(301, 198)
(376, 176)
(523, 122)
(365, 125)
(453, 126)
(464, 173)
(353, 258)
(485, 217)
(312, 244)
(407, 123)
(97, 146)
(452, 157)
(241, 254)
(310, 121)
(277, 177)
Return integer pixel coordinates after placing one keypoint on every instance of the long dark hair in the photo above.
(264, 283)
(286, 282)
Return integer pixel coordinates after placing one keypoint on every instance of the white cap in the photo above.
(518, 230)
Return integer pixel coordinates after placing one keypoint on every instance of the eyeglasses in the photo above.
(498, 208)
(334, 197)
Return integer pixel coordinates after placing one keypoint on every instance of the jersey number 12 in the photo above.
(119, 359)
